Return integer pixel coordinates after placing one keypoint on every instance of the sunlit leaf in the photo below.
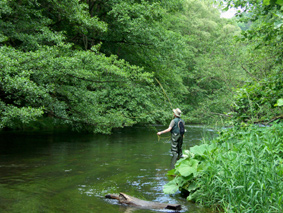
(266, 2)
(278, 24)
(171, 172)
(279, 102)
(188, 167)
(201, 149)
(171, 187)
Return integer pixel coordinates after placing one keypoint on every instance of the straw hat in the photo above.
(177, 112)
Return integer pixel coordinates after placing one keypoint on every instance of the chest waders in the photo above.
(176, 143)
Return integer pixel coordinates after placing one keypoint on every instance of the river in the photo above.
(72, 172)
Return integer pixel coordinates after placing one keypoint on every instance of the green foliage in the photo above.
(29, 24)
(212, 61)
(80, 88)
(83, 89)
(257, 101)
(266, 18)
(139, 32)
(238, 171)
(91, 64)
(189, 169)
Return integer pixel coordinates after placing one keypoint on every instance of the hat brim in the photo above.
(176, 113)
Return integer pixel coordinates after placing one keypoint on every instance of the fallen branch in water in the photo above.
(132, 201)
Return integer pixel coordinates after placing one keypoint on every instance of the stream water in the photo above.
(72, 172)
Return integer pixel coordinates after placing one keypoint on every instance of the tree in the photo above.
(212, 60)
(97, 65)
(42, 76)
(256, 101)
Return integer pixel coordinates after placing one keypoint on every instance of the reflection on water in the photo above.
(68, 172)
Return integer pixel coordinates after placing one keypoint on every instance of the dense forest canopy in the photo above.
(98, 65)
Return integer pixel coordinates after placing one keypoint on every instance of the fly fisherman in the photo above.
(176, 136)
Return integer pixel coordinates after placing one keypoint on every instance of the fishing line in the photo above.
(164, 93)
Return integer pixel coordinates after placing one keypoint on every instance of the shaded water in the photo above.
(68, 172)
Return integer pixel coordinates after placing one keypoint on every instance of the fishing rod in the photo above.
(164, 93)
(159, 137)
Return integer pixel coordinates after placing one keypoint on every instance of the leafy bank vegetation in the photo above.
(240, 171)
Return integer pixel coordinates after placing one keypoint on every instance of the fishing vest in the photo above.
(175, 128)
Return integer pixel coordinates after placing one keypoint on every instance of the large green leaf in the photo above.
(201, 149)
(171, 187)
(188, 167)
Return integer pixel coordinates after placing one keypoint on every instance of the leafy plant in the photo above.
(189, 169)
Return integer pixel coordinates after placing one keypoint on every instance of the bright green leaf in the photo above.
(279, 102)
(266, 2)
(201, 149)
(188, 167)
(171, 172)
(171, 187)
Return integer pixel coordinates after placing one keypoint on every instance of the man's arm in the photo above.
(164, 131)
(168, 129)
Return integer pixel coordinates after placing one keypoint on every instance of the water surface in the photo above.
(72, 172)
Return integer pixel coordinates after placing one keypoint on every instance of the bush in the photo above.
(257, 101)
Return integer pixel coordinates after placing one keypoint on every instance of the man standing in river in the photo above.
(176, 137)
